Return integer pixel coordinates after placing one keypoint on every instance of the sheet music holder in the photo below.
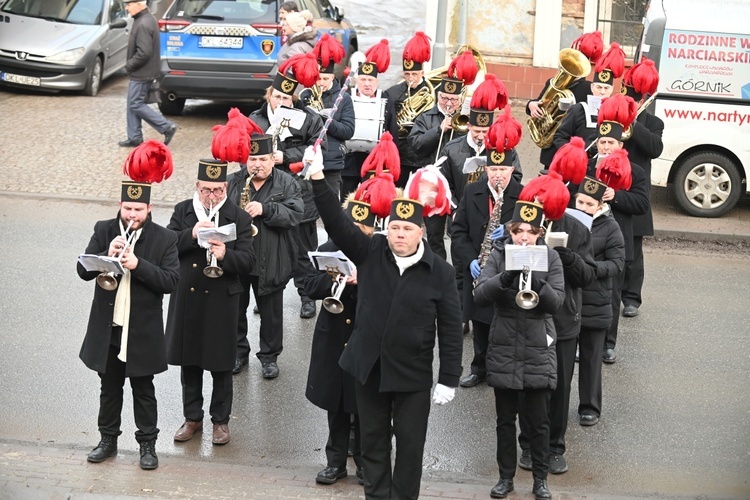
(101, 263)
(292, 118)
(225, 233)
(532, 256)
(472, 164)
(332, 262)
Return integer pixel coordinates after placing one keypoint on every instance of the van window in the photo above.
(243, 11)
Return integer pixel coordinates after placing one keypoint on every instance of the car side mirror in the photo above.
(118, 23)
(339, 14)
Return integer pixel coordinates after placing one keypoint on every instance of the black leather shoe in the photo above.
(169, 133)
(270, 369)
(149, 460)
(307, 310)
(361, 475)
(557, 463)
(587, 420)
(609, 356)
(106, 448)
(502, 488)
(239, 363)
(255, 310)
(330, 475)
(630, 311)
(540, 490)
(471, 380)
(129, 143)
(525, 461)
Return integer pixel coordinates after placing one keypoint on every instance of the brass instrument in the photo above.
(573, 65)
(316, 99)
(245, 198)
(108, 280)
(628, 132)
(413, 106)
(275, 137)
(333, 303)
(212, 269)
(526, 298)
(494, 223)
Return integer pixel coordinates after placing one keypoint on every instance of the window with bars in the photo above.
(621, 21)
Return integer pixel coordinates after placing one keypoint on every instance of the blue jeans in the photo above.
(138, 110)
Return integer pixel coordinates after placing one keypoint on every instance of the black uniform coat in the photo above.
(468, 231)
(424, 137)
(328, 386)
(157, 273)
(397, 314)
(519, 355)
(396, 95)
(644, 145)
(294, 149)
(609, 256)
(143, 61)
(202, 321)
(575, 124)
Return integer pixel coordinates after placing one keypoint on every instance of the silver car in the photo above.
(54, 45)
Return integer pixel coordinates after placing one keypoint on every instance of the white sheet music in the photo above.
(332, 262)
(556, 239)
(472, 164)
(532, 256)
(295, 117)
(580, 216)
(225, 233)
(101, 263)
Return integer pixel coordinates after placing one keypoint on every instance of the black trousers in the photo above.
(306, 237)
(192, 395)
(617, 282)
(409, 412)
(435, 229)
(559, 403)
(634, 276)
(333, 178)
(349, 184)
(337, 446)
(271, 309)
(480, 338)
(591, 344)
(534, 411)
(111, 397)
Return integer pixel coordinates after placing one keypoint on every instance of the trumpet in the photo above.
(212, 269)
(333, 303)
(526, 298)
(108, 280)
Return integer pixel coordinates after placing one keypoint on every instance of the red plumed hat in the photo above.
(231, 142)
(491, 94)
(615, 171)
(384, 156)
(429, 186)
(550, 191)
(417, 49)
(643, 77)
(613, 60)
(505, 133)
(379, 192)
(380, 55)
(304, 67)
(464, 67)
(571, 161)
(590, 45)
(619, 109)
(150, 162)
(328, 50)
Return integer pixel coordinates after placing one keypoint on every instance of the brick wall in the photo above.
(522, 82)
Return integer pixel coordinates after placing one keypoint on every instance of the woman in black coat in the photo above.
(596, 311)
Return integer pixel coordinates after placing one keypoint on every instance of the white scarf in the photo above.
(121, 315)
(200, 210)
(404, 263)
(274, 128)
(476, 147)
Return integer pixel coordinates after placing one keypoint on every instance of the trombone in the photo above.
(212, 269)
(108, 280)
(333, 303)
(526, 298)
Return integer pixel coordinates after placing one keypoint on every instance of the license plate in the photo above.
(221, 42)
(21, 79)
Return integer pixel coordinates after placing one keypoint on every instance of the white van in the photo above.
(702, 51)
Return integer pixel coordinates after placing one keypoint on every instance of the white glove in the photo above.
(443, 394)
(313, 161)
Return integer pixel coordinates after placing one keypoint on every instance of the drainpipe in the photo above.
(438, 50)
(463, 16)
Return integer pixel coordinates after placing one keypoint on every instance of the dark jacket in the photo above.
(274, 245)
(157, 273)
(328, 386)
(396, 95)
(301, 42)
(294, 149)
(143, 61)
(399, 317)
(468, 232)
(609, 256)
(202, 321)
(340, 129)
(575, 124)
(644, 145)
(424, 138)
(521, 350)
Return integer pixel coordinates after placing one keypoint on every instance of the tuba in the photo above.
(413, 106)
(573, 65)
(526, 298)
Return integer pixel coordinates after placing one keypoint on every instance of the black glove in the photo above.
(567, 257)
(536, 284)
(508, 277)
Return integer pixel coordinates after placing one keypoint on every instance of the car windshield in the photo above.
(66, 11)
(241, 11)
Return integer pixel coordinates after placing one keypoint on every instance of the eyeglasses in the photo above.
(452, 100)
(215, 191)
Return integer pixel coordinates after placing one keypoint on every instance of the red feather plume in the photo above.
(505, 133)
(615, 171)
(613, 60)
(430, 187)
(618, 108)
(150, 162)
(590, 45)
(380, 55)
(643, 77)
(464, 67)
(328, 49)
(379, 192)
(571, 161)
(550, 191)
(418, 48)
(304, 68)
(231, 142)
(491, 94)
(384, 156)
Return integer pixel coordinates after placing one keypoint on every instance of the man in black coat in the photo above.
(119, 344)
(407, 300)
(275, 204)
(202, 321)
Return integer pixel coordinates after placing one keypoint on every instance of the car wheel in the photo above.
(171, 107)
(94, 80)
(707, 185)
